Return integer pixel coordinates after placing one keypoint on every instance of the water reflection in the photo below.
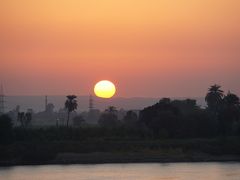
(170, 171)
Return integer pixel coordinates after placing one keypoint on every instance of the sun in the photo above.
(105, 89)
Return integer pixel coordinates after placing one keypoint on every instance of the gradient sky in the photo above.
(148, 48)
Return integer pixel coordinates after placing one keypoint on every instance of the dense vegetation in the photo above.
(168, 126)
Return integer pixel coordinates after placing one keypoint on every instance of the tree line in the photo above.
(184, 118)
(165, 119)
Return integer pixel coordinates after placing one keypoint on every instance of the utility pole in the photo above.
(2, 101)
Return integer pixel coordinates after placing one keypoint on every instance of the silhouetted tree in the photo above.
(24, 118)
(214, 98)
(232, 100)
(111, 109)
(70, 105)
(109, 118)
(186, 106)
(197, 123)
(162, 118)
(21, 117)
(28, 118)
(78, 121)
(130, 119)
(230, 113)
(5, 129)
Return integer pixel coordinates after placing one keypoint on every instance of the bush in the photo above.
(5, 129)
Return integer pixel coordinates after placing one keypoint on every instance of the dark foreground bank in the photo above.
(120, 151)
(102, 158)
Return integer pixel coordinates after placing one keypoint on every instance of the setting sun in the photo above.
(104, 89)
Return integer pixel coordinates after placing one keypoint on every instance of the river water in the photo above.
(144, 171)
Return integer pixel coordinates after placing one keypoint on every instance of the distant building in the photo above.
(47, 117)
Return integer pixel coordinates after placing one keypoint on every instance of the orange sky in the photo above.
(148, 48)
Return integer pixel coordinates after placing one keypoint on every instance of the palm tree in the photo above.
(70, 105)
(214, 98)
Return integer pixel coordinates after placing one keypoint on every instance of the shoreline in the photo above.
(112, 158)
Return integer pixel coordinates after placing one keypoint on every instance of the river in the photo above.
(144, 171)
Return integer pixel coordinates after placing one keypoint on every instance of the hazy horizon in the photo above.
(37, 103)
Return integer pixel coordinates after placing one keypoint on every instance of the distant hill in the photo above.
(37, 103)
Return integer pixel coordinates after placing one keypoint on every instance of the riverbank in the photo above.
(120, 151)
(102, 158)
